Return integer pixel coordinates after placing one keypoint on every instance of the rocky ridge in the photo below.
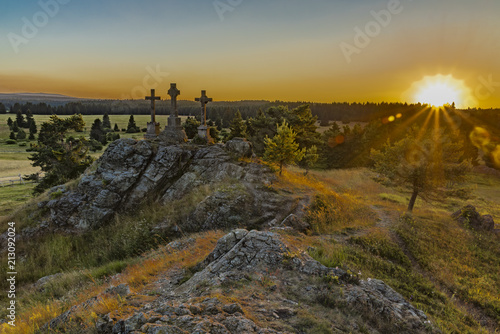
(131, 173)
(197, 305)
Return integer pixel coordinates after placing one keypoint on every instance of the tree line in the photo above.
(225, 111)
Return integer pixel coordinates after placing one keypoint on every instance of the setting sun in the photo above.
(439, 90)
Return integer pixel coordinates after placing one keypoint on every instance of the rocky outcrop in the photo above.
(208, 316)
(196, 305)
(469, 217)
(132, 172)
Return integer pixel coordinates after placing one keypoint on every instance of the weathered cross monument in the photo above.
(153, 127)
(203, 131)
(173, 133)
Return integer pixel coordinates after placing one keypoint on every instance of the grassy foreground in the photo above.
(448, 271)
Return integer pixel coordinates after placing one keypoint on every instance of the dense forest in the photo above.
(225, 111)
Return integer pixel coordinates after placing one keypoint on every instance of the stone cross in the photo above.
(204, 99)
(153, 99)
(174, 92)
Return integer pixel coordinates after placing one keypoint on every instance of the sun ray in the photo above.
(438, 91)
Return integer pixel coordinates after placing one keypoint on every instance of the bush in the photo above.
(144, 129)
(198, 140)
(95, 145)
(10, 142)
(133, 130)
(112, 136)
(23, 144)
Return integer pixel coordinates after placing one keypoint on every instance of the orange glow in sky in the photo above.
(288, 50)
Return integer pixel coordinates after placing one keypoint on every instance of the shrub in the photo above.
(95, 145)
(10, 142)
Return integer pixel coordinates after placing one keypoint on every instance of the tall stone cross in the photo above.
(204, 99)
(174, 92)
(153, 99)
(153, 127)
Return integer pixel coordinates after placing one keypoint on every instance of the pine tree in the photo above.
(116, 129)
(97, 132)
(12, 135)
(59, 160)
(21, 135)
(132, 127)
(3, 110)
(21, 123)
(10, 123)
(29, 119)
(310, 158)
(282, 148)
(33, 128)
(15, 128)
(237, 127)
(106, 123)
(428, 167)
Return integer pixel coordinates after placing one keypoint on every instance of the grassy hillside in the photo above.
(449, 272)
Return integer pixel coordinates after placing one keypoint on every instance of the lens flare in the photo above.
(439, 90)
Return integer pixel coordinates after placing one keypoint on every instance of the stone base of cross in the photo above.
(153, 130)
(174, 122)
(204, 133)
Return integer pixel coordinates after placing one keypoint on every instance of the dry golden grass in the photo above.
(10, 169)
(137, 276)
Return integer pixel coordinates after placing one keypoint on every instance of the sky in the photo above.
(289, 50)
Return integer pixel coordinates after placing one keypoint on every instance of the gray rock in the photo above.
(121, 290)
(131, 172)
(469, 217)
(377, 298)
(240, 147)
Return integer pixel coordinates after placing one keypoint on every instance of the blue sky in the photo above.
(273, 49)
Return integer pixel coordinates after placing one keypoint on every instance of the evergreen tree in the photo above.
(116, 129)
(10, 123)
(29, 119)
(237, 127)
(59, 160)
(21, 135)
(97, 132)
(282, 148)
(132, 127)
(427, 166)
(15, 128)
(31, 136)
(3, 110)
(300, 120)
(21, 123)
(12, 135)
(106, 123)
(310, 158)
(33, 128)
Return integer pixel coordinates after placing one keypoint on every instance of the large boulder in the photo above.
(469, 217)
(132, 172)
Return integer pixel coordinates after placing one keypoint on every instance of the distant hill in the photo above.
(53, 99)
